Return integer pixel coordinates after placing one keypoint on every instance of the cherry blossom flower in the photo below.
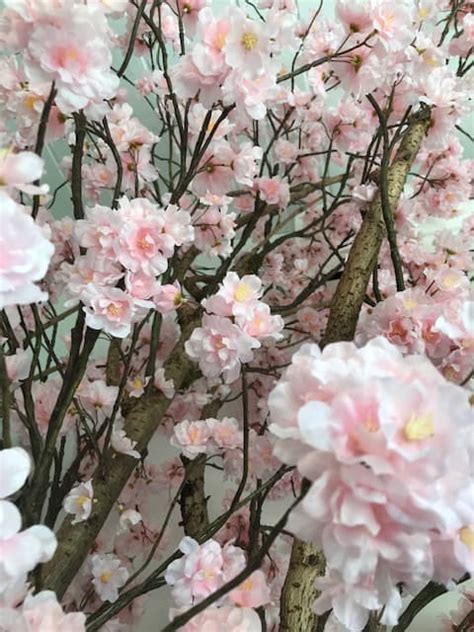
(220, 347)
(247, 45)
(121, 443)
(108, 576)
(386, 504)
(235, 619)
(198, 573)
(192, 437)
(253, 592)
(20, 551)
(168, 298)
(25, 255)
(110, 309)
(79, 502)
(41, 612)
(18, 171)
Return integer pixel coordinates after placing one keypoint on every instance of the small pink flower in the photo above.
(274, 191)
(79, 502)
(168, 298)
(18, 171)
(121, 443)
(253, 592)
(108, 576)
(110, 309)
(192, 437)
(25, 254)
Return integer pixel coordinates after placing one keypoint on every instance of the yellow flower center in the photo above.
(466, 535)
(249, 40)
(220, 41)
(371, 424)
(242, 292)
(114, 310)
(81, 501)
(106, 577)
(419, 428)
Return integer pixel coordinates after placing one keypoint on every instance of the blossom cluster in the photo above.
(24, 245)
(436, 320)
(50, 36)
(235, 322)
(20, 553)
(202, 570)
(130, 246)
(206, 436)
(387, 444)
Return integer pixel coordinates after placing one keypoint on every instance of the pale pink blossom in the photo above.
(258, 322)
(19, 171)
(79, 65)
(110, 309)
(385, 503)
(42, 612)
(253, 592)
(108, 576)
(164, 385)
(228, 617)
(192, 437)
(220, 347)
(168, 298)
(274, 191)
(79, 502)
(235, 295)
(15, 466)
(122, 443)
(129, 518)
(25, 254)
(226, 433)
(198, 573)
(247, 45)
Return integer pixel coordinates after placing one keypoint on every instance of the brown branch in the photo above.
(296, 604)
(193, 501)
(141, 423)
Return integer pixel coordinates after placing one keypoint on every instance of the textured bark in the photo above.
(306, 563)
(298, 593)
(193, 501)
(141, 422)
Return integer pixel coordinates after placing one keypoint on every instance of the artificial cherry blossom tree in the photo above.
(230, 283)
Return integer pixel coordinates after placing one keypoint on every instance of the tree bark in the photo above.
(299, 593)
(141, 422)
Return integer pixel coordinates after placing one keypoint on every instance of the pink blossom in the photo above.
(15, 466)
(25, 253)
(220, 346)
(385, 503)
(192, 437)
(108, 576)
(20, 551)
(129, 518)
(168, 298)
(259, 323)
(122, 443)
(18, 171)
(247, 45)
(274, 191)
(232, 618)
(79, 501)
(197, 574)
(43, 612)
(97, 396)
(235, 295)
(110, 309)
(226, 433)
(79, 66)
(253, 592)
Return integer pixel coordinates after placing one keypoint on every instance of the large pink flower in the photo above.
(25, 253)
(387, 444)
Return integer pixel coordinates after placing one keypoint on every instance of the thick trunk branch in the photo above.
(298, 593)
(141, 422)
